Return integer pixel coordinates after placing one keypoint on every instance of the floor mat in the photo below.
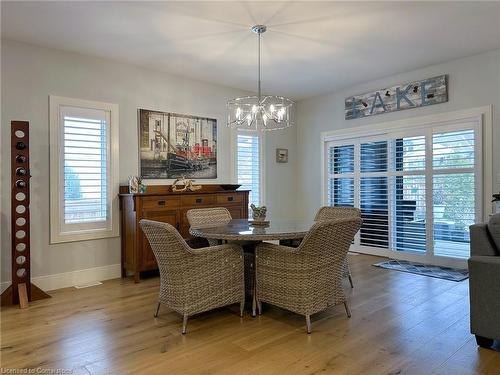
(439, 272)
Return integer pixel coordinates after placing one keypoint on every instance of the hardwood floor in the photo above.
(401, 324)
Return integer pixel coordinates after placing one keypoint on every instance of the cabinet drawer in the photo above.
(229, 198)
(197, 200)
(149, 203)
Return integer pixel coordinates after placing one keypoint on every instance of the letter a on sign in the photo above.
(374, 104)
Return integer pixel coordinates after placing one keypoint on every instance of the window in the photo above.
(418, 190)
(84, 169)
(248, 165)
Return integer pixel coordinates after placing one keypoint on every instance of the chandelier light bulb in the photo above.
(271, 109)
(254, 109)
(281, 112)
(238, 113)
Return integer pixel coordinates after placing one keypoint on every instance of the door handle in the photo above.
(199, 200)
(230, 199)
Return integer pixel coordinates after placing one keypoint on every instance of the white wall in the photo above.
(472, 82)
(30, 74)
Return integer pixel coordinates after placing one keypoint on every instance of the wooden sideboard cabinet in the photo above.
(161, 204)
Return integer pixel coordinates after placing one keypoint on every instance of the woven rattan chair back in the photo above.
(208, 217)
(332, 213)
(328, 241)
(169, 248)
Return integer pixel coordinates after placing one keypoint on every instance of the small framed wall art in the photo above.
(281, 155)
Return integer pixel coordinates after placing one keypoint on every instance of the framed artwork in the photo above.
(281, 155)
(173, 145)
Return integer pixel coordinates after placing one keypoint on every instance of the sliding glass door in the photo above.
(418, 191)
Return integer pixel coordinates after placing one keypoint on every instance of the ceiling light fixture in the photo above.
(260, 112)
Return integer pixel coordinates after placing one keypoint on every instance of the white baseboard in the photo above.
(4, 286)
(68, 279)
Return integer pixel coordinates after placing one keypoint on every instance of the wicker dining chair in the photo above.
(208, 217)
(306, 279)
(211, 217)
(332, 213)
(194, 280)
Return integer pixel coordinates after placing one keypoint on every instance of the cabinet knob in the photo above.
(161, 203)
(199, 200)
(230, 199)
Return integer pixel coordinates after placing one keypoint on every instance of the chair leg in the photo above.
(347, 272)
(259, 307)
(157, 310)
(254, 304)
(242, 307)
(254, 291)
(184, 324)
(347, 309)
(308, 324)
(350, 280)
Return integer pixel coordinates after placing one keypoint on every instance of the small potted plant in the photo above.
(259, 215)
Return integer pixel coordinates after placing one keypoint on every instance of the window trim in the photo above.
(112, 228)
(262, 164)
(481, 115)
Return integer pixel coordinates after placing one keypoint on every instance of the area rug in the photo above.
(447, 273)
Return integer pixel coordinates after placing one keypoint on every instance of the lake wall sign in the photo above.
(396, 98)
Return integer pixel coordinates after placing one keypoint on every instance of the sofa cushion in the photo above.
(494, 229)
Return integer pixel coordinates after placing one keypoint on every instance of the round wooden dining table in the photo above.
(251, 235)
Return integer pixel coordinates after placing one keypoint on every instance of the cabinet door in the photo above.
(147, 258)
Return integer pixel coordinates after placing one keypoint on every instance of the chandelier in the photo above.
(261, 112)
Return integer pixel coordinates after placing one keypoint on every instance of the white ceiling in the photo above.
(310, 47)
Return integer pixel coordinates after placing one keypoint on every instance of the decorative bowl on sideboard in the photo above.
(230, 187)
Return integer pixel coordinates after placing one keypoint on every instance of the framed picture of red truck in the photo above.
(172, 145)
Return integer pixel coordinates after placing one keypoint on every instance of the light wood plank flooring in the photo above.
(401, 324)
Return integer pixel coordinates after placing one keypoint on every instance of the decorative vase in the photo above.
(135, 185)
(258, 213)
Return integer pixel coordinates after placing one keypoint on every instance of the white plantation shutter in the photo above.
(85, 157)
(408, 192)
(84, 169)
(454, 193)
(341, 163)
(248, 166)
(417, 192)
(374, 194)
(374, 211)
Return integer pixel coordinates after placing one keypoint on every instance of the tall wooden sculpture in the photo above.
(21, 290)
